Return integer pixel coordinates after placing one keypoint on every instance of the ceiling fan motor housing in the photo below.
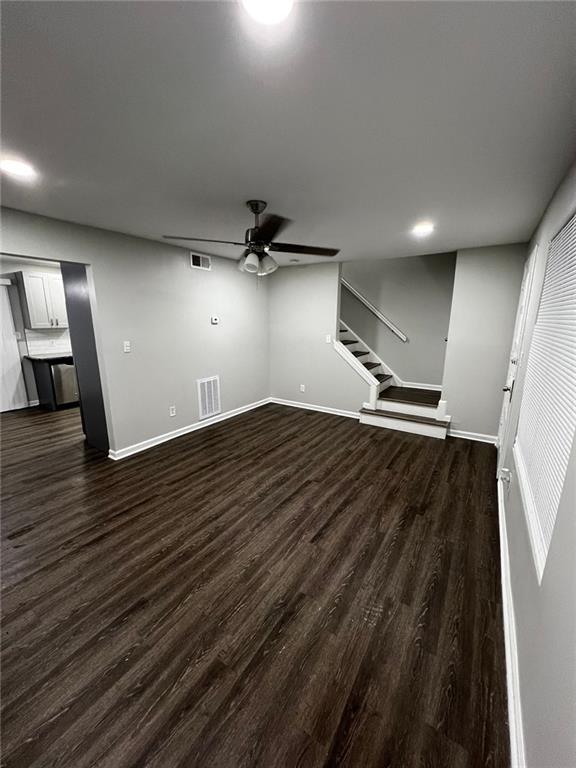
(252, 239)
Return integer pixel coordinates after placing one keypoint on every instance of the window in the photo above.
(547, 422)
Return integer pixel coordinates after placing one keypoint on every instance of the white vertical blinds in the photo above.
(547, 422)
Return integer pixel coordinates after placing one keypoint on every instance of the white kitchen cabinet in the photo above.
(43, 301)
(57, 301)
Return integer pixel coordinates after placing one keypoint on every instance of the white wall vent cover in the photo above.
(200, 262)
(548, 409)
(208, 396)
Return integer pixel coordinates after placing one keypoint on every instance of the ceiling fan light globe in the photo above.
(241, 264)
(267, 265)
(252, 263)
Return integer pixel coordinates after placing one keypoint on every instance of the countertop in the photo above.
(65, 357)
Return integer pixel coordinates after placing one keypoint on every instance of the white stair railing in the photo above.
(375, 311)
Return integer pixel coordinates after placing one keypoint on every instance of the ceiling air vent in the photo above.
(200, 262)
(208, 396)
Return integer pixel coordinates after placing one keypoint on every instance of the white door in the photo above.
(515, 352)
(12, 389)
(38, 300)
(57, 301)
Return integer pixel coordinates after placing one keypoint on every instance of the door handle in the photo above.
(56, 321)
(51, 321)
(506, 389)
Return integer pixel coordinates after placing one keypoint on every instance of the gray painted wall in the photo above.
(486, 291)
(416, 294)
(146, 292)
(545, 613)
(303, 309)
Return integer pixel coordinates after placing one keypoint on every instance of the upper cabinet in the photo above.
(57, 300)
(43, 302)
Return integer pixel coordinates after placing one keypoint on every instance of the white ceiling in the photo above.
(353, 119)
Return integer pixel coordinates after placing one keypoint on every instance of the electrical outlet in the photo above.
(172, 410)
(328, 339)
(127, 346)
(302, 387)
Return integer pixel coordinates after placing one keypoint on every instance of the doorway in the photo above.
(49, 358)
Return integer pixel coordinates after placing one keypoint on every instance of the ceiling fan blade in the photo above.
(310, 250)
(202, 240)
(271, 225)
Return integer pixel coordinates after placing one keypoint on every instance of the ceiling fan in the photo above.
(259, 241)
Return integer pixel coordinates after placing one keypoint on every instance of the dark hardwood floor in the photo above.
(285, 589)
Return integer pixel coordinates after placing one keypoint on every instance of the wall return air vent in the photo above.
(200, 262)
(208, 396)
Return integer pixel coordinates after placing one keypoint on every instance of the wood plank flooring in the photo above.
(286, 589)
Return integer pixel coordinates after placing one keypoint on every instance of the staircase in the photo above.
(393, 405)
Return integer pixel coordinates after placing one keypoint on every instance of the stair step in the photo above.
(407, 417)
(411, 395)
(360, 352)
(403, 422)
(371, 365)
(382, 377)
(349, 341)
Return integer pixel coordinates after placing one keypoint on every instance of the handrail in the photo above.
(374, 310)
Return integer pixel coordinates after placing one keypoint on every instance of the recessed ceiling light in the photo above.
(18, 169)
(423, 228)
(268, 11)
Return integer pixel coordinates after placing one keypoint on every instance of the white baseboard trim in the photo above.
(472, 436)
(313, 407)
(130, 450)
(32, 403)
(517, 749)
(17, 407)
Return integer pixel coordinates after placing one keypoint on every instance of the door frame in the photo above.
(517, 353)
(15, 405)
(85, 353)
(80, 305)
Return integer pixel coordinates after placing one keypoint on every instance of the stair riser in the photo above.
(429, 430)
(413, 410)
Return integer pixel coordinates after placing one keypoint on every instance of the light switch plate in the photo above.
(127, 346)
(215, 320)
